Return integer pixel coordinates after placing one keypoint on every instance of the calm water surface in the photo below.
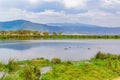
(64, 49)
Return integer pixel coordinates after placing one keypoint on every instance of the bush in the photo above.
(100, 55)
(12, 65)
(68, 63)
(30, 73)
(1, 66)
(55, 61)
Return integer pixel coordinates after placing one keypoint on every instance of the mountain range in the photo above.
(70, 28)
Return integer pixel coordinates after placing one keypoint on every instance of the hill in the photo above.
(58, 27)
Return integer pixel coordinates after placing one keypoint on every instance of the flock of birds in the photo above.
(78, 47)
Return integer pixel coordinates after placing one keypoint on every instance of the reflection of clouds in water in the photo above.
(27, 44)
(46, 49)
(40, 52)
(6, 54)
(19, 46)
(46, 52)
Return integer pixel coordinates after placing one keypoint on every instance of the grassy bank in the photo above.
(23, 70)
(101, 67)
(33, 35)
(36, 37)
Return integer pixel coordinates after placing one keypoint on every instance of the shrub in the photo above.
(69, 63)
(55, 61)
(12, 65)
(30, 73)
(1, 66)
(100, 55)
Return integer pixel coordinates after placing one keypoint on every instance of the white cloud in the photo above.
(74, 3)
(13, 13)
(41, 1)
(51, 0)
(102, 18)
(33, 1)
(100, 12)
(95, 17)
(110, 3)
(96, 14)
(118, 13)
(51, 12)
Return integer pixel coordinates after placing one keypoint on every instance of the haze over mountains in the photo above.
(58, 27)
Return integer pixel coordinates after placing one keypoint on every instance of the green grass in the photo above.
(23, 70)
(33, 35)
(102, 67)
(38, 37)
(97, 68)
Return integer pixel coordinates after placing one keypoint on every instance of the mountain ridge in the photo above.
(58, 27)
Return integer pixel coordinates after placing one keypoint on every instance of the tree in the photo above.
(20, 32)
(11, 32)
(36, 33)
(60, 33)
(3, 32)
(54, 34)
(46, 33)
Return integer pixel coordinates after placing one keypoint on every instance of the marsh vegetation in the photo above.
(104, 66)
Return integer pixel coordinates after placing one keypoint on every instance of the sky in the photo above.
(96, 12)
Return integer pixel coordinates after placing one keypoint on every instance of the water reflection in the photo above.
(64, 49)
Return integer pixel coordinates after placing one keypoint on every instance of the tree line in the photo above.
(19, 32)
(29, 34)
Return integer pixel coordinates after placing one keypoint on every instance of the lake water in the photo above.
(64, 49)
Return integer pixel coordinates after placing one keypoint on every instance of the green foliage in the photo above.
(24, 62)
(23, 70)
(46, 33)
(102, 56)
(55, 34)
(101, 67)
(27, 72)
(55, 61)
(30, 35)
(37, 62)
(12, 66)
(2, 66)
(30, 73)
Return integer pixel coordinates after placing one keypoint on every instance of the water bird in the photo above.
(65, 48)
(88, 48)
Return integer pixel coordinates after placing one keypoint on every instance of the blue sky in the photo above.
(96, 12)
